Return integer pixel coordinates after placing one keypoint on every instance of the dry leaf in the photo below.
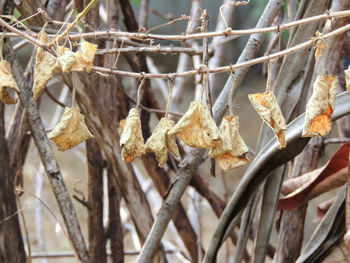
(347, 78)
(320, 46)
(45, 67)
(88, 49)
(131, 139)
(160, 142)
(71, 130)
(70, 61)
(320, 107)
(7, 81)
(197, 128)
(324, 179)
(230, 150)
(266, 106)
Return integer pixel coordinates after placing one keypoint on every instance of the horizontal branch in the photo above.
(70, 254)
(228, 68)
(225, 33)
(152, 49)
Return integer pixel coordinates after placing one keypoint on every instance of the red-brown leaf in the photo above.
(305, 192)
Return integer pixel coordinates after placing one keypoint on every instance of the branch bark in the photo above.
(11, 243)
(47, 157)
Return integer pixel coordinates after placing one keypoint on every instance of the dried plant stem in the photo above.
(229, 68)
(154, 49)
(230, 97)
(29, 250)
(196, 71)
(146, 37)
(72, 25)
(48, 158)
(225, 33)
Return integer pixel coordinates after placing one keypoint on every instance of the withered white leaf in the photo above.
(347, 78)
(196, 128)
(320, 47)
(320, 107)
(7, 81)
(160, 142)
(230, 151)
(45, 67)
(71, 130)
(69, 60)
(267, 107)
(88, 49)
(131, 139)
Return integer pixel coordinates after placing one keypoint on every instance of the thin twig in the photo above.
(244, 64)
(225, 33)
(153, 110)
(70, 254)
(52, 97)
(29, 250)
(336, 140)
(72, 25)
(154, 49)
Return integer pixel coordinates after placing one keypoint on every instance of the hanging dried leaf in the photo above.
(320, 107)
(71, 130)
(7, 81)
(70, 61)
(320, 47)
(347, 78)
(45, 67)
(160, 142)
(230, 150)
(266, 106)
(197, 128)
(131, 139)
(88, 49)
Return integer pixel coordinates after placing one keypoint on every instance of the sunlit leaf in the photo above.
(320, 107)
(45, 67)
(6, 82)
(266, 106)
(131, 139)
(160, 142)
(71, 130)
(230, 150)
(197, 128)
